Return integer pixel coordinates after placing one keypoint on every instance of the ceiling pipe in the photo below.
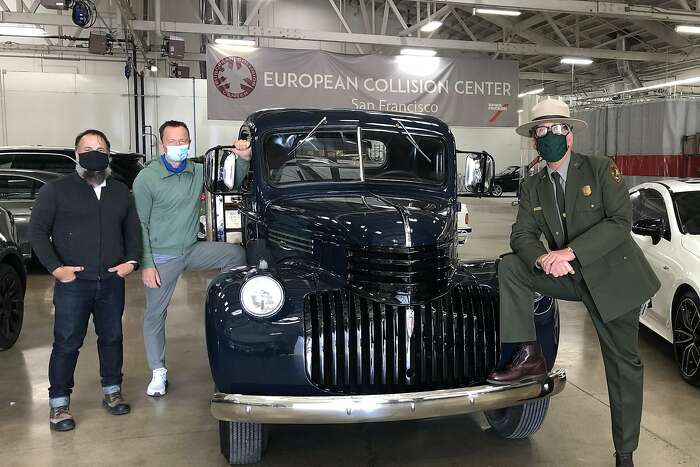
(623, 66)
(159, 33)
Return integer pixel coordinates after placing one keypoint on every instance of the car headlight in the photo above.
(262, 296)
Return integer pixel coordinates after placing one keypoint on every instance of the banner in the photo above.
(460, 91)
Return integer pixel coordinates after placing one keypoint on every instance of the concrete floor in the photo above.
(178, 430)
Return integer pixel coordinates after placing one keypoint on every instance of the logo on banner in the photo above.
(498, 110)
(235, 77)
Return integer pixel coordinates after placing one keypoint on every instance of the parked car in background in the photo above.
(18, 191)
(354, 306)
(125, 166)
(507, 179)
(463, 227)
(666, 226)
(25, 169)
(13, 283)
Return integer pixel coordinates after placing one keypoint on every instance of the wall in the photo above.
(49, 109)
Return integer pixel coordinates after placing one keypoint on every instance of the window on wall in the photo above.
(18, 188)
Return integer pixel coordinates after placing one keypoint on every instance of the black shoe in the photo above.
(60, 419)
(623, 459)
(115, 405)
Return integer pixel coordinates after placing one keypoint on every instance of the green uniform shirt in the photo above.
(599, 221)
(168, 207)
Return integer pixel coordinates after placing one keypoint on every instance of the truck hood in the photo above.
(366, 220)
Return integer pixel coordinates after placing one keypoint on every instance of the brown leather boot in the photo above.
(115, 405)
(528, 364)
(60, 419)
(623, 459)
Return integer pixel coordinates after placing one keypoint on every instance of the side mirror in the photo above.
(653, 228)
(479, 174)
(220, 171)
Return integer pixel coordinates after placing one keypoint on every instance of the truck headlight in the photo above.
(262, 296)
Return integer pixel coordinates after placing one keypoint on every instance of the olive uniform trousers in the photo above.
(618, 338)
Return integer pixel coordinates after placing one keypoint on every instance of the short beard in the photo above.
(93, 177)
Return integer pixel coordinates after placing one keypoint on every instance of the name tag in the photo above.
(538, 208)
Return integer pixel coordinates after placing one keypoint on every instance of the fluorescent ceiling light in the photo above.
(670, 84)
(576, 61)
(531, 92)
(684, 29)
(520, 111)
(11, 29)
(431, 26)
(419, 52)
(490, 11)
(246, 42)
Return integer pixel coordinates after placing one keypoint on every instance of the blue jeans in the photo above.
(74, 302)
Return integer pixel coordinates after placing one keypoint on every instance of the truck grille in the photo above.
(416, 271)
(358, 346)
(290, 241)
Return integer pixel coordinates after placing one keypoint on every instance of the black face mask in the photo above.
(93, 160)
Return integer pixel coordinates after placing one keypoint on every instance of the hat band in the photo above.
(549, 117)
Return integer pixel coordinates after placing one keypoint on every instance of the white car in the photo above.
(463, 227)
(666, 226)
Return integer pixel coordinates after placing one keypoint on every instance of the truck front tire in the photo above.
(520, 421)
(242, 442)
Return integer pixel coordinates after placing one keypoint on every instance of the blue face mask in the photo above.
(177, 153)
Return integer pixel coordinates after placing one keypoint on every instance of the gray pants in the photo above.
(204, 256)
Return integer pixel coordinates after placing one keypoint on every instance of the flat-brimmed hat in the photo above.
(550, 110)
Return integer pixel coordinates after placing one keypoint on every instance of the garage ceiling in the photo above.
(630, 42)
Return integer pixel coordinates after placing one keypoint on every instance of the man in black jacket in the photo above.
(84, 229)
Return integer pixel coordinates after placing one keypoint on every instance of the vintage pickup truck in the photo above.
(354, 307)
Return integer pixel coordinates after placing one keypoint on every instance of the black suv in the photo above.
(13, 282)
(125, 166)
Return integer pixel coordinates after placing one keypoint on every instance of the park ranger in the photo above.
(581, 206)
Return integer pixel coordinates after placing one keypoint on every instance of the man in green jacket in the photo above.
(581, 206)
(168, 197)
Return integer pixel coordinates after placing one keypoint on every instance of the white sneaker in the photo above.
(159, 383)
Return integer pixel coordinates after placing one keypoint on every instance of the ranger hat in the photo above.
(550, 110)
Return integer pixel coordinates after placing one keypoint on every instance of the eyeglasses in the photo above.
(179, 142)
(560, 129)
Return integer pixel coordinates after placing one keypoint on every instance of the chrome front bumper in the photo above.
(381, 408)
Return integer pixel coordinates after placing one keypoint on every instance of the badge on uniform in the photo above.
(586, 190)
(615, 173)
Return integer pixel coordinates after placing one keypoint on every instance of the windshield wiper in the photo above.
(306, 138)
(413, 141)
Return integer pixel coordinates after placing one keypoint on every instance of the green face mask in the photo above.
(552, 147)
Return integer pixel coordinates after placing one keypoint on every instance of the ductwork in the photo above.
(623, 66)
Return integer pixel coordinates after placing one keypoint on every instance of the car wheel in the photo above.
(11, 306)
(496, 190)
(686, 336)
(242, 442)
(520, 421)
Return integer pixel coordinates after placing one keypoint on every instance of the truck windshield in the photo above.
(333, 156)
